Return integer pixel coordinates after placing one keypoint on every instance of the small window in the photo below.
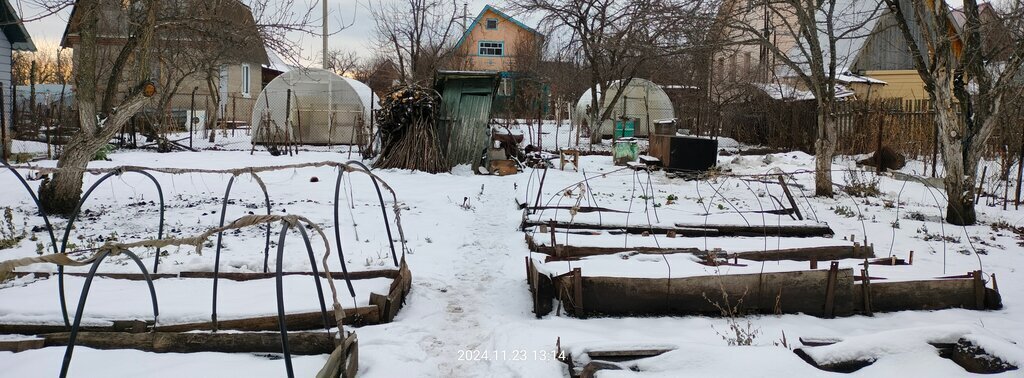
(491, 49)
(492, 23)
(246, 82)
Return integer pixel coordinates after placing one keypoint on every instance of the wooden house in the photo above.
(13, 38)
(207, 62)
(496, 42)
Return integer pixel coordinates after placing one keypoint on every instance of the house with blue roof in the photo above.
(496, 42)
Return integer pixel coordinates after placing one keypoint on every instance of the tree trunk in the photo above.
(60, 195)
(824, 149)
(960, 170)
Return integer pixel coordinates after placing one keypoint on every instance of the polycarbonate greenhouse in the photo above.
(313, 106)
(642, 100)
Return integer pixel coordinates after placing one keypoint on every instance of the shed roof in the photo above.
(14, 29)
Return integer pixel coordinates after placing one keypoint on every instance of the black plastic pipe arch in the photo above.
(220, 236)
(85, 294)
(74, 216)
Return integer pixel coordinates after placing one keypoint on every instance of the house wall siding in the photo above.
(5, 77)
(905, 84)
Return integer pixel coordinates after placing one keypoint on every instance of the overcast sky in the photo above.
(46, 32)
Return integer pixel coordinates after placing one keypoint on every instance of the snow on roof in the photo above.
(276, 63)
(785, 92)
(848, 77)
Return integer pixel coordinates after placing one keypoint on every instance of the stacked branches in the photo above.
(407, 122)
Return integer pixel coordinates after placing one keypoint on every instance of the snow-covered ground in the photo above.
(469, 295)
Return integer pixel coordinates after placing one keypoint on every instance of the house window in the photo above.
(505, 88)
(492, 23)
(746, 62)
(491, 48)
(246, 82)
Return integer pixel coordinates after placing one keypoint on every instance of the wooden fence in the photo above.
(906, 126)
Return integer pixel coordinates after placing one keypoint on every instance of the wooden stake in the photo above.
(792, 202)
(979, 290)
(577, 286)
(911, 260)
(814, 264)
(830, 289)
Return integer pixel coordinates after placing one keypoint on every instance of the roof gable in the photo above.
(14, 29)
(489, 8)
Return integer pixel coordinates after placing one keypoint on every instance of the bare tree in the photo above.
(343, 62)
(110, 78)
(966, 116)
(417, 34)
(53, 65)
(814, 32)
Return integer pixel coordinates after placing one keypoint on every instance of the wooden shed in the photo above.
(463, 130)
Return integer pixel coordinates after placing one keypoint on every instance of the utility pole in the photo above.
(325, 33)
(465, 15)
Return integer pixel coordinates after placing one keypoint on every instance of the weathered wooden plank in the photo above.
(797, 292)
(17, 346)
(343, 361)
(543, 291)
(823, 253)
(299, 343)
(232, 276)
(927, 295)
(695, 230)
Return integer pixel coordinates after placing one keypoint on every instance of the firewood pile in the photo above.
(407, 121)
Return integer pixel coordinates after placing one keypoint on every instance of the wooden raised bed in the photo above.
(822, 293)
(377, 312)
(824, 253)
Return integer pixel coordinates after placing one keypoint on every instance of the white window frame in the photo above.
(487, 24)
(488, 48)
(246, 80)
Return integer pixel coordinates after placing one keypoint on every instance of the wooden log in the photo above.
(16, 346)
(299, 343)
(698, 230)
(824, 253)
(116, 276)
(130, 326)
(369, 274)
(366, 315)
(801, 292)
(927, 295)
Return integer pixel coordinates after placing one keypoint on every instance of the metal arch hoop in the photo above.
(220, 236)
(279, 283)
(35, 199)
(85, 294)
(74, 216)
(383, 208)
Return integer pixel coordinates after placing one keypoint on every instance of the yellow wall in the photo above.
(905, 84)
(518, 41)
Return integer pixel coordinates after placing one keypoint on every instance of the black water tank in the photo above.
(692, 154)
